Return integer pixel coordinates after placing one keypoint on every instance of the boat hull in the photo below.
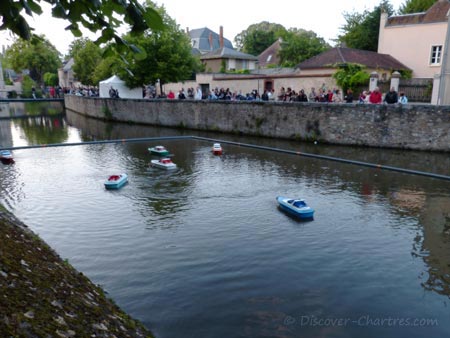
(167, 166)
(6, 157)
(116, 181)
(302, 212)
(155, 151)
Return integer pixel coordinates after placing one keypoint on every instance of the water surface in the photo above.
(203, 251)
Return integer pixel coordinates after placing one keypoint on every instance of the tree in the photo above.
(39, 56)
(351, 75)
(361, 29)
(106, 68)
(300, 45)
(86, 56)
(51, 79)
(416, 6)
(95, 15)
(257, 37)
(166, 55)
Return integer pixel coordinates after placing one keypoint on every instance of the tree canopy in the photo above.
(38, 55)
(416, 6)
(97, 16)
(299, 45)
(87, 56)
(361, 30)
(257, 37)
(166, 55)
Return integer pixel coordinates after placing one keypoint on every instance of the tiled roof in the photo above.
(270, 55)
(227, 53)
(200, 40)
(333, 56)
(436, 13)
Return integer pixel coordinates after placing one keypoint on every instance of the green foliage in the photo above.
(361, 29)
(166, 55)
(87, 56)
(97, 16)
(257, 37)
(39, 56)
(8, 81)
(51, 79)
(106, 68)
(416, 6)
(27, 85)
(223, 65)
(405, 73)
(240, 71)
(351, 75)
(300, 45)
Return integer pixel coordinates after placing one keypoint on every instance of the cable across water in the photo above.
(247, 145)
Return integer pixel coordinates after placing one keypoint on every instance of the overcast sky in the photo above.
(323, 17)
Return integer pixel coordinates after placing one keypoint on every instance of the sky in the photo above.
(324, 18)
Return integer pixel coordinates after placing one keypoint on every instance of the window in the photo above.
(436, 54)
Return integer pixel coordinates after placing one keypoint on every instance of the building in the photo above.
(416, 40)
(326, 63)
(228, 59)
(66, 75)
(270, 56)
(204, 40)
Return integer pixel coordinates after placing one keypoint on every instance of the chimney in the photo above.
(187, 30)
(210, 41)
(221, 37)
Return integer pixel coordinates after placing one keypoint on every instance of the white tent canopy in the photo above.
(118, 84)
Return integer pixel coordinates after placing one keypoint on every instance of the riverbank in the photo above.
(44, 296)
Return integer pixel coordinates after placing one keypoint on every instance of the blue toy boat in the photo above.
(116, 181)
(296, 207)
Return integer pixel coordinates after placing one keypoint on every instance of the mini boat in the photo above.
(6, 157)
(159, 150)
(164, 163)
(296, 207)
(217, 149)
(116, 181)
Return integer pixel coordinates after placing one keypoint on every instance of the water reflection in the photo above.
(42, 130)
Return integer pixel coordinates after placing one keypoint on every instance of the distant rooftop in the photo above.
(204, 40)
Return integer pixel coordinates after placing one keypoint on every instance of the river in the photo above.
(203, 251)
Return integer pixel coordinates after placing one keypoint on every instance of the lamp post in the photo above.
(257, 74)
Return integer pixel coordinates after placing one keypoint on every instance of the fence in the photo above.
(416, 90)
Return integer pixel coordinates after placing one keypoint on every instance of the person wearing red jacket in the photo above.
(375, 97)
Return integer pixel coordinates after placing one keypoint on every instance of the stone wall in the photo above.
(420, 127)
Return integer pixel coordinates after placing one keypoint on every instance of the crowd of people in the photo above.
(322, 94)
(289, 95)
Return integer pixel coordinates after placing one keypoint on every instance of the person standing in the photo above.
(402, 99)
(198, 94)
(349, 97)
(391, 96)
(375, 96)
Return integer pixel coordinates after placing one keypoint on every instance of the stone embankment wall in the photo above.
(420, 127)
(44, 296)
